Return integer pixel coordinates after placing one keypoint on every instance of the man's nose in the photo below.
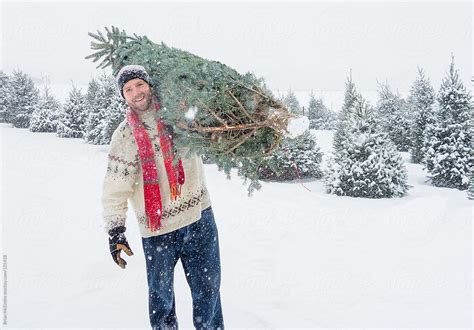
(134, 93)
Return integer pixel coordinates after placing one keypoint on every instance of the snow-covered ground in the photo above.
(291, 257)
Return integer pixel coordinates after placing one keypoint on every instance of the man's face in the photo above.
(138, 95)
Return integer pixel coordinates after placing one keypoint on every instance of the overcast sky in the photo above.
(303, 46)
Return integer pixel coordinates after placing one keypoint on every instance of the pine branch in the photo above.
(240, 105)
(241, 141)
(107, 45)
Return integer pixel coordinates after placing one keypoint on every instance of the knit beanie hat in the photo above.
(130, 72)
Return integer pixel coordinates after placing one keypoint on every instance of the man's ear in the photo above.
(154, 97)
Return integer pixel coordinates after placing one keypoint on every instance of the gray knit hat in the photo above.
(130, 72)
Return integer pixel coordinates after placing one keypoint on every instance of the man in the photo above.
(172, 205)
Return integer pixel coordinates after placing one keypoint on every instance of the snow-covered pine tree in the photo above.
(44, 117)
(320, 117)
(22, 99)
(92, 90)
(294, 159)
(114, 114)
(367, 163)
(291, 101)
(342, 127)
(94, 116)
(4, 86)
(470, 192)
(100, 110)
(91, 97)
(72, 118)
(394, 117)
(314, 111)
(420, 102)
(447, 146)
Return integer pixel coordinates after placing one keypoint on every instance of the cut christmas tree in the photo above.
(212, 108)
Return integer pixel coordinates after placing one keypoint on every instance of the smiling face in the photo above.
(138, 95)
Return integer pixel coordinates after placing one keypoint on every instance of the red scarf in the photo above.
(153, 206)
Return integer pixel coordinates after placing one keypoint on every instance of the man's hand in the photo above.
(117, 243)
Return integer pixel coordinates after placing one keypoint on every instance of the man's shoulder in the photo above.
(122, 131)
(123, 142)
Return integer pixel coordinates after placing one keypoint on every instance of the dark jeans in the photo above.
(198, 247)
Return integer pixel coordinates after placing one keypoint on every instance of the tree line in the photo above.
(434, 128)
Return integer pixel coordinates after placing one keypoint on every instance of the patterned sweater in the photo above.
(124, 181)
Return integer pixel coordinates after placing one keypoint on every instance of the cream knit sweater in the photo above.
(124, 181)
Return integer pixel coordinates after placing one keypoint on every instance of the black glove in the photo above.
(117, 243)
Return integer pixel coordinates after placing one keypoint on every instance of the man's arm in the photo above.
(118, 187)
(120, 179)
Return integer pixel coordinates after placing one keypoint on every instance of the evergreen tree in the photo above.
(22, 99)
(320, 117)
(367, 163)
(313, 111)
(470, 192)
(294, 159)
(447, 145)
(95, 114)
(114, 114)
(104, 112)
(471, 179)
(420, 102)
(44, 117)
(292, 103)
(4, 90)
(91, 99)
(342, 127)
(92, 90)
(394, 117)
(71, 121)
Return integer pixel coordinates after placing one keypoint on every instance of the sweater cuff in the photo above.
(117, 230)
(111, 222)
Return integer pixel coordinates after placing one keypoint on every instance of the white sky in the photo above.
(303, 46)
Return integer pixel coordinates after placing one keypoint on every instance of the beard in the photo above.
(142, 105)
